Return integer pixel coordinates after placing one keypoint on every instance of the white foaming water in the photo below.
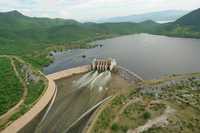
(99, 77)
(90, 79)
(103, 81)
(83, 79)
(94, 80)
(100, 89)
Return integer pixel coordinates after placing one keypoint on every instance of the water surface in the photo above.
(150, 56)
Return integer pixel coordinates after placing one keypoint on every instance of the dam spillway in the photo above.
(99, 75)
(102, 65)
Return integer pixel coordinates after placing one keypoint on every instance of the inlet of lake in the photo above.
(149, 56)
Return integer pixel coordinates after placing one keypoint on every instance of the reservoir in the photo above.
(150, 56)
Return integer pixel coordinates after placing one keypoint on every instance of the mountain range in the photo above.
(160, 16)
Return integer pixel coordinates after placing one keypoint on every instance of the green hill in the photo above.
(16, 27)
(191, 19)
(186, 26)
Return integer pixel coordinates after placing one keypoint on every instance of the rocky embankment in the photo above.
(169, 104)
(182, 89)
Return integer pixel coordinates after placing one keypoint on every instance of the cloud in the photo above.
(93, 9)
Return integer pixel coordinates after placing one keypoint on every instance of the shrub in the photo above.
(115, 127)
(124, 128)
(147, 115)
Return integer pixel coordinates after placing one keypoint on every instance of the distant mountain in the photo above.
(13, 13)
(161, 16)
(17, 28)
(191, 19)
(15, 18)
(186, 26)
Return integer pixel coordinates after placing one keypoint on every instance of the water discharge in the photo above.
(83, 78)
(101, 81)
(88, 80)
(105, 79)
(94, 80)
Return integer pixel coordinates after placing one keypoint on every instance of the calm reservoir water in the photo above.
(150, 56)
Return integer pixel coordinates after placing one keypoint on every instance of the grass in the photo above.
(10, 87)
(35, 91)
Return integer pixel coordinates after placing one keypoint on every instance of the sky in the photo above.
(89, 10)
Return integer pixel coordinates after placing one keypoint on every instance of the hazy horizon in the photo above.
(89, 10)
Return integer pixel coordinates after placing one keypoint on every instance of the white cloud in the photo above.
(93, 9)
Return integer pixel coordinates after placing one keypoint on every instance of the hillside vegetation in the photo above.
(20, 88)
(11, 89)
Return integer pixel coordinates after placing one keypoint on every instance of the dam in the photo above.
(79, 92)
(103, 64)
